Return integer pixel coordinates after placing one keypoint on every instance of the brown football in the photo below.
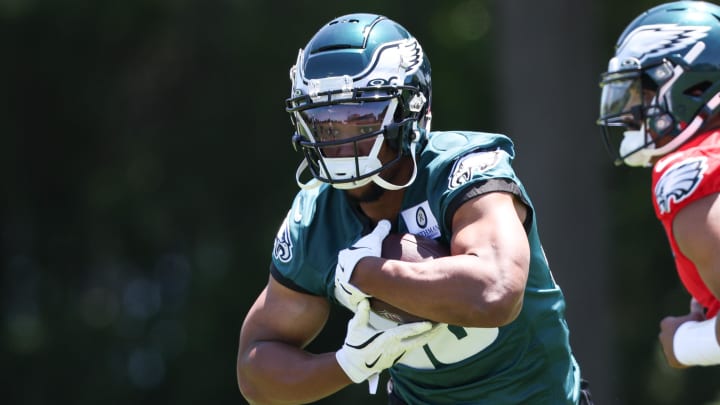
(409, 248)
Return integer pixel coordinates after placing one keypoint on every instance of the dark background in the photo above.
(146, 164)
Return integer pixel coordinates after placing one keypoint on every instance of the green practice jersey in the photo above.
(528, 361)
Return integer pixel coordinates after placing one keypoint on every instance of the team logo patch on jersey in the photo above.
(679, 182)
(421, 217)
(472, 164)
(421, 221)
(283, 248)
(652, 40)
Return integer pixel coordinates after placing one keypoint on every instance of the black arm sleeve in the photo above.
(485, 187)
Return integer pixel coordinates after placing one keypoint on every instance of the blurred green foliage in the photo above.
(146, 164)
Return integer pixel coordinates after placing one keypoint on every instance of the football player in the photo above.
(659, 109)
(496, 330)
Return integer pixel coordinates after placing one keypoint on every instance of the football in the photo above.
(409, 248)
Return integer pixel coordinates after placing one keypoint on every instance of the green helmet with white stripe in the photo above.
(663, 82)
(362, 81)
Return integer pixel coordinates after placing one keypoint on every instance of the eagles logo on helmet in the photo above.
(663, 82)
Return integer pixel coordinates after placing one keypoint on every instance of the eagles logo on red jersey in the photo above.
(679, 182)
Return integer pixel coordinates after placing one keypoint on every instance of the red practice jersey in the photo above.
(678, 179)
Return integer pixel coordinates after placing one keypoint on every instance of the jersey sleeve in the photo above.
(489, 186)
(481, 165)
(289, 262)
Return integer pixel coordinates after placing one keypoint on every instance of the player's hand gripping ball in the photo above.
(369, 245)
(410, 248)
(367, 351)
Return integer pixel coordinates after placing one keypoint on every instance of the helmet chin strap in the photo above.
(389, 186)
(413, 145)
(384, 183)
(310, 184)
(314, 183)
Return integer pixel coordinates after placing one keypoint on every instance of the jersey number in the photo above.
(452, 345)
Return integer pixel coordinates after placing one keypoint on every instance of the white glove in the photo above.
(368, 351)
(369, 245)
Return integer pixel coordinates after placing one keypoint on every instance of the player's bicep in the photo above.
(697, 231)
(490, 228)
(494, 222)
(282, 314)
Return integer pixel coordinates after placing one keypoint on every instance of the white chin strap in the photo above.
(343, 165)
(310, 184)
(389, 186)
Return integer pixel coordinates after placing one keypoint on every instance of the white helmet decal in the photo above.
(653, 40)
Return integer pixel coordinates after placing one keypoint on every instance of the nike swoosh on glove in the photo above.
(369, 245)
(368, 351)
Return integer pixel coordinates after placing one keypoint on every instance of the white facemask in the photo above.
(355, 184)
(636, 141)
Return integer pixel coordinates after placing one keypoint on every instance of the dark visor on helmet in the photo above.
(343, 121)
(621, 100)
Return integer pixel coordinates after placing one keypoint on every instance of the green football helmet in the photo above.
(663, 83)
(361, 81)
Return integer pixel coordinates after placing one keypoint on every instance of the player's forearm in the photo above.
(460, 290)
(272, 373)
